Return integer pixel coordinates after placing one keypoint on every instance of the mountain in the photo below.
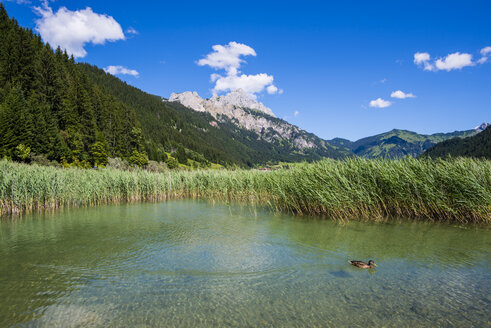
(397, 143)
(220, 104)
(237, 108)
(476, 146)
(74, 113)
(215, 134)
(49, 108)
(241, 110)
(482, 127)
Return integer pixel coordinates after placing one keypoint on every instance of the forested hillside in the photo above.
(77, 113)
(169, 124)
(48, 105)
(478, 146)
(396, 143)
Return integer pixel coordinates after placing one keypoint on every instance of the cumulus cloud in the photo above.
(423, 59)
(482, 60)
(120, 70)
(380, 103)
(72, 30)
(272, 89)
(251, 84)
(401, 95)
(296, 113)
(229, 58)
(454, 61)
(485, 52)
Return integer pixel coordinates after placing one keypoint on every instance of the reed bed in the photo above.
(437, 190)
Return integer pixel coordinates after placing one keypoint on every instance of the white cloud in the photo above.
(485, 51)
(401, 95)
(120, 70)
(272, 89)
(251, 84)
(380, 103)
(482, 60)
(296, 113)
(214, 77)
(454, 61)
(131, 30)
(423, 59)
(229, 58)
(450, 62)
(383, 80)
(72, 30)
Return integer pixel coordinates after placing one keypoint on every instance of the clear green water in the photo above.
(187, 263)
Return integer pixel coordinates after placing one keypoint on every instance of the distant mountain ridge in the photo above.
(478, 146)
(239, 109)
(398, 143)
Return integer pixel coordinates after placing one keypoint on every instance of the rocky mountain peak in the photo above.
(239, 108)
(235, 99)
(239, 98)
(189, 99)
(482, 127)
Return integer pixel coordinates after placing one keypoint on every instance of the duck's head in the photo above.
(371, 263)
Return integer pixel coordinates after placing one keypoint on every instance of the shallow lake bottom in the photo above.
(191, 263)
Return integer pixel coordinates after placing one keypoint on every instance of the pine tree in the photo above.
(181, 155)
(10, 112)
(138, 159)
(98, 155)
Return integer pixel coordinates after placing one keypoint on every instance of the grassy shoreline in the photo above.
(457, 190)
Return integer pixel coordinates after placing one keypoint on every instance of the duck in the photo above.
(363, 265)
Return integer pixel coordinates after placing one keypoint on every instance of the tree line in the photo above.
(478, 146)
(49, 107)
(77, 114)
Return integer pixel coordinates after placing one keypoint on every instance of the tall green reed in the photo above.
(437, 190)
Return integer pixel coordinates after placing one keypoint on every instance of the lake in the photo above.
(192, 263)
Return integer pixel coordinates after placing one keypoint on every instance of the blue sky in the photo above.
(330, 59)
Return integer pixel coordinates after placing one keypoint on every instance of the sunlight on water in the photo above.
(187, 263)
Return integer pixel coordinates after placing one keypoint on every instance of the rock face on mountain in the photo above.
(189, 99)
(237, 107)
(220, 104)
(482, 127)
